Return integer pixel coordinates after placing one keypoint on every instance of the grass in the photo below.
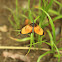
(43, 55)
(15, 22)
(39, 15)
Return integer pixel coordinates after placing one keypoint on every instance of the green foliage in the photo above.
(15, 21)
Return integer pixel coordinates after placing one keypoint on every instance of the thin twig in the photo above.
(25, 48)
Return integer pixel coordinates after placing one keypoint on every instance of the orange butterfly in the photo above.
(32, 27)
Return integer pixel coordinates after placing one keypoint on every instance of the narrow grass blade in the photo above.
(57, 17)
(58, 3)
(51, 23)
(12, 23)
(30, 15)
(43, 55)
(24, 39)
(48, 5)
(54, 19)
(16, 7)
(31, 42)
(51, 40)
(58, 52)
(53, 12)
(58, 41)
(24, 16)
(36, 19)
(21, 40)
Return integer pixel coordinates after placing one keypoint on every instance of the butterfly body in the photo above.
(33, 27)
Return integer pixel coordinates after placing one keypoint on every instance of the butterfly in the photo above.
(33, 27)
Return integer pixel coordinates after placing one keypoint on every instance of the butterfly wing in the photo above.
(38, 30)
(27, 29)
